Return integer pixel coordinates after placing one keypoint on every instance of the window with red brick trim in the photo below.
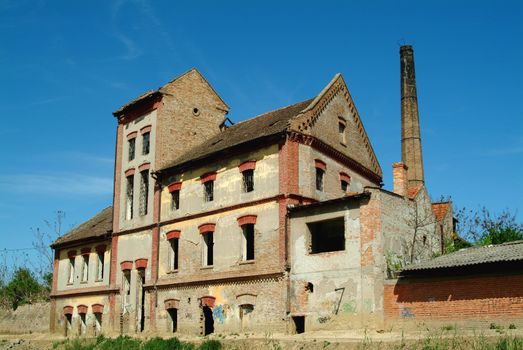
(70, 279)
(320, 172)
(208, 249)
(344, 182)
(146, 143)
(342, 126)
(131, 148)
(129, 197)
(144, 192)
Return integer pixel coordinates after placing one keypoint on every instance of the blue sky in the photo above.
(66, 65)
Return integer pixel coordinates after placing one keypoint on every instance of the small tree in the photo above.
(23, 288)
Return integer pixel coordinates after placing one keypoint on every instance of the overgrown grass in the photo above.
(128, 343)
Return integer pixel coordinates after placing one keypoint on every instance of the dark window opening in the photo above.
(173, 313)
(83, 324)
(248, 238)
(130, 197)
(100, 272)
(327, 236)
(299, 324)
(174, 253)
(248, 180)
(98, 323)
(144, 191)
(146, 143)
(68, 323)
(175, 200)
(142, 303)
(132, 147)
(209, 191)
(208, 248)
(208, 325)
(341, 130)
(319, 179)
(310, 287)
(344, 185)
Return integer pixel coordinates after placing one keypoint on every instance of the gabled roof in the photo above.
(511, 251)
(96, 227)
(440, 209)
(264, 125)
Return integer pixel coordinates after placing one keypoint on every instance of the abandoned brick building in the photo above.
(278, 222)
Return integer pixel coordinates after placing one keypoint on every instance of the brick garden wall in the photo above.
(482, 298)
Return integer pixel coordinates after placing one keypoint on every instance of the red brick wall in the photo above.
(467, 297)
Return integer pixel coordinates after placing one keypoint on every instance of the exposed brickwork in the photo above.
(470, 297)
(117, 177)
(399, 176)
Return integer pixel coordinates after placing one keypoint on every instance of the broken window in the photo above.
(146, 141)
(173, 260)
(208, 248)
(85, 268)
(132, 147)
(144, 191)
(248, 242)
(209, 190)
(327, 236)
(248, 180)
(341, 131)
(175, 200)
(100, 266)
(130, 195)
(344, 185)
(83, 323)
(126, 288)
(70, 280)
(319, 179)
(98, 323)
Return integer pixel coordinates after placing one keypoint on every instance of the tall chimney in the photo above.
(410, 130)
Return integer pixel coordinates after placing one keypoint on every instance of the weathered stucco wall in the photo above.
(26, 318)
(61, 326)
(228, 186)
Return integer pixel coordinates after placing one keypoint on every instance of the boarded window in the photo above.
(208, 248)
(173, 259)
(146, 142)
(132, 148)
(144, 191)
(130, 195)
(175, 200)
(248, 242)
(319, 179)
(327, 236)
(209, 191)
(248, 180)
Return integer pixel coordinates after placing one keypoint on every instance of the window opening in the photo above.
(98, 323)
(248, 180)
(319, 179)
(146, 142)
(208, 320)
(208, 239)
(130, 195)
(299, 324)
(310, 287)
(174, 253)
(100, 270)
(327, 236)
(141, 272)
(68, 324)
(70, 280)
(144, 191)
(85, 268)
(248, 242)
(132, 148)
(83, 324)
(209, 191)
(344, 185)
(245, 310)
(126, 288)
(175, 200)
(174, 319)
(341, 130)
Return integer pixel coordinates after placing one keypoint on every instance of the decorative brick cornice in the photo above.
(172, 234)
(145, 129)
(129, 172)
(144, 166)
(247, 219)
(68, 310)
(171, 304)
(126, 265)
(140, 263)
(82, 309)
(248, 165)
(205, 228)
(175, 186)
(97, 308)
(132, 135)
(208, 177)
(320, 164)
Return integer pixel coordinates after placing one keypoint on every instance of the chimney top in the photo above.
(404, 48)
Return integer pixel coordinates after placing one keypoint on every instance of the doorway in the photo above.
(173, 313)
(208, 321)
(299, 324)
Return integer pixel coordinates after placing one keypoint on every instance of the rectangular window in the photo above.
(344, 185)
(100, 266)
(341, 130)
(126, 288)
(144, 191)
(70, 280)
(248, 180)
(130, 195)
(208, 248)
(174, 243)
(132, 147)
(327, 236)
(146, 143)
(248, 242)
(85, 268)
(319, 179)
(209, 191)
(175, 200)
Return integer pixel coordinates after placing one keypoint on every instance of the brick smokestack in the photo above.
(410, 130)
(399, 175)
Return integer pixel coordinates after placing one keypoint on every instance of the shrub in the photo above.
(210, 345)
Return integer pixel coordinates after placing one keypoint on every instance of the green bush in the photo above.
(210, 345)
(166, 344)
(120, 343)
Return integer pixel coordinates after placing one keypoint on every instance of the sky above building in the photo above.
(65, 66)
